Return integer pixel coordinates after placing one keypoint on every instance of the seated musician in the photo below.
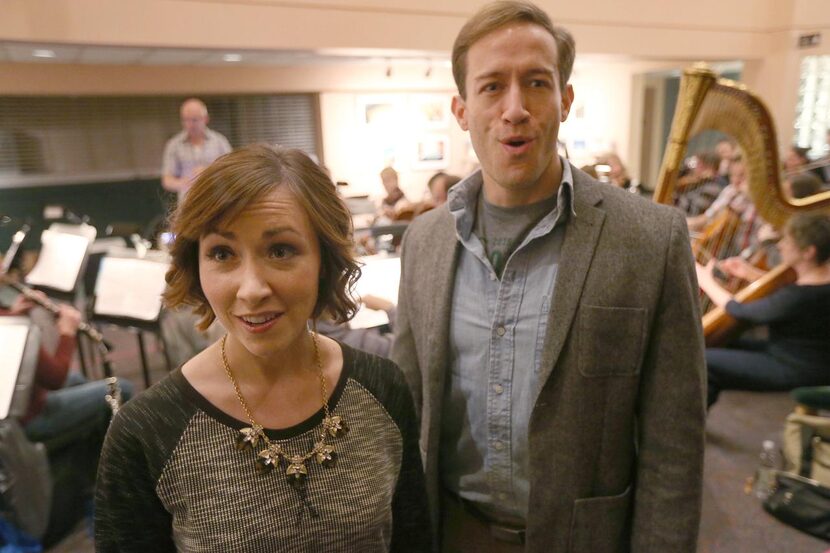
(438, 186)
(395, 200)
(618, 174)
(377, 341)
(797, 161)
(798, 186)
(699, 189)
(734, 196)
(797, 352)
(69, 415)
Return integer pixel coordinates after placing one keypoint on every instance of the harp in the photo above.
(707, 103)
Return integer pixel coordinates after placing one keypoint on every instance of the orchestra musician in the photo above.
(68, 414)
(797, 352)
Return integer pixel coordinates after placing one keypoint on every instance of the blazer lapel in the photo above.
(439, 280)
(581, 238)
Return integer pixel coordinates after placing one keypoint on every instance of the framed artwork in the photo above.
(432, 111)
(379, 111)
(432, 151)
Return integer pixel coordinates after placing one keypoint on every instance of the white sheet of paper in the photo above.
(129, 287)
(381, 277)
(59, 261)
(12, 344)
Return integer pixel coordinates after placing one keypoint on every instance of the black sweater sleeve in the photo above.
(411, 530)
(783, 304)
(410, 511)
(129, 516)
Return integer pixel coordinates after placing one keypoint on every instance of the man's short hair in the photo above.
(495, 16)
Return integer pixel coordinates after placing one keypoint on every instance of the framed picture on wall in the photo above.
(432, 111)
(432, 151)
(379, 111)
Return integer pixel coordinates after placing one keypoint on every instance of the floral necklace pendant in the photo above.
(296, 471)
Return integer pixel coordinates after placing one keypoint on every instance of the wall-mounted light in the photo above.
(43, 53)
(232, 58)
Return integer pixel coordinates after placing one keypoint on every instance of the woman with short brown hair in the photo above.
(273, 438)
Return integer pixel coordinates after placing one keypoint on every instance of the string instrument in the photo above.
(707, 103)
(720, 327)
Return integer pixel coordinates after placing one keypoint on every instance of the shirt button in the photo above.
(498, 388)
(492, 276)
(500, 331)
(498, 446)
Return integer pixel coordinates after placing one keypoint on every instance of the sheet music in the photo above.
(129, 287)
(12, 343)
(60, 260)
(381, 277)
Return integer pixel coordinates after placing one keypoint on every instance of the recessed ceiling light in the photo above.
(232, 58)
(43, 53)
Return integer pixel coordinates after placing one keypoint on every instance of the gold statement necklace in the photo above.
(273, 454)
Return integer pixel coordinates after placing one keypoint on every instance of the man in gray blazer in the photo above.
(549, 328)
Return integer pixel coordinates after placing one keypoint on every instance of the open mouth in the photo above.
(517, 145)
(259, 322)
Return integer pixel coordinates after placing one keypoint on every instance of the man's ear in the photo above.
(810, 253)
(459, 109)
(567, 101)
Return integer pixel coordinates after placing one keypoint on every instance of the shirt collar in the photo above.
(462, 198)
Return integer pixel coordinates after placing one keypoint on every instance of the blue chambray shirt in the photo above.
(497, 334)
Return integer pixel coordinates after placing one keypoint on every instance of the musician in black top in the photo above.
(797, 352)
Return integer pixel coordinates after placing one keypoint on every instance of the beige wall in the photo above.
(735, 28)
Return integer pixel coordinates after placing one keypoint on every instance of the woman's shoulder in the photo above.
(161, 410)
(381, 378)
(370, 369)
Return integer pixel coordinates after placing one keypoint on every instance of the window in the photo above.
(812, 119)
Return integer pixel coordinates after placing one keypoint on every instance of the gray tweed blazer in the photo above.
(616, 433)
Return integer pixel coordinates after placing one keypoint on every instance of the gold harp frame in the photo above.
(705, 102)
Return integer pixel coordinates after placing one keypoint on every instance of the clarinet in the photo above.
(84, 328)
(113, 397)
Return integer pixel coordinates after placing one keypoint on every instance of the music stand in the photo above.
(61, 264)
(20, 344)
(128, 295)
(380, 276)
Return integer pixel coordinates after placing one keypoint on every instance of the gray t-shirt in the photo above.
(502, 229)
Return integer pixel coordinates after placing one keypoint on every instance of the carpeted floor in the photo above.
(733, 522)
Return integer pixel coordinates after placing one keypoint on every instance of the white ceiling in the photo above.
(119, 55)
